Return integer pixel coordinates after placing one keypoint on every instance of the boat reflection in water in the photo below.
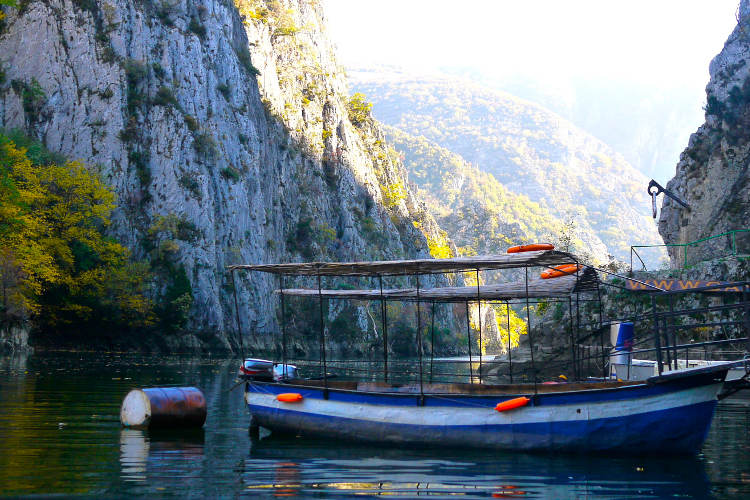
(308, 467)
(139, 448)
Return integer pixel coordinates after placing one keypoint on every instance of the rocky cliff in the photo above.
(712, 175)
(226, 132)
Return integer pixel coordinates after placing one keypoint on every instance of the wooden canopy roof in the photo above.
(544, 258)
(587, 279)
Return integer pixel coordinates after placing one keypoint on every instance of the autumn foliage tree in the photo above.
(58, 266)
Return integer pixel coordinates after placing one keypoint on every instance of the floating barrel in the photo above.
(163, 407)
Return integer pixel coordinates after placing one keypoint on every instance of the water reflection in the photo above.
(60, 435)
(138, 448)
(322, 467)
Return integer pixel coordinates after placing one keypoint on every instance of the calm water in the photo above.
(60, 434)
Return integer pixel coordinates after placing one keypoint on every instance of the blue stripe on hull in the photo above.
(675, 430)
(561, 398)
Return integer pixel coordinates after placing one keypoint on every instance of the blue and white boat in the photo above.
(664, 414)
(670, 413)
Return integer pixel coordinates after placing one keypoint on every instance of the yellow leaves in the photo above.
(393, 194)
(55, 258)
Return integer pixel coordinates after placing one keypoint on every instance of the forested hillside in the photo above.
(527, 148)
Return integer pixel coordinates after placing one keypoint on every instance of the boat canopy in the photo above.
(586, 280)
(543, 258)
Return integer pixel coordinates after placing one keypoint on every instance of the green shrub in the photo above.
(196, 27)
(191, 122)
(204, 144)
(230, 174)
(158, 70)
(190, 183)
(225, 90)
(165, 97)
(140, 159)
(243, 55)
(358, 109)
(32, 96)
(135, 70)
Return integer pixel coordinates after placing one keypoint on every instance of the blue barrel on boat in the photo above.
(163, 407)
(622, 340)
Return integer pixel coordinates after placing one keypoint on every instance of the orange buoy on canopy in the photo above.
(531, 248)
(558, 271)
(512, 404)
(290, 397)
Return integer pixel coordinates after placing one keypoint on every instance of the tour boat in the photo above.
(667, 413)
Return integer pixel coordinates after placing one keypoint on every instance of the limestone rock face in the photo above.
(712, 174)
(229, 119)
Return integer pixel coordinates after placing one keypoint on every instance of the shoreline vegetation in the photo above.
(63, 277)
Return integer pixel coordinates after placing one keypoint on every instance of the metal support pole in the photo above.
(419, 346)
(572, 338)
(746, 314)
(479, 313)
(578, 333)
(383, 316)
(283, 327)
(657, 339)
(323, 341)
(237, 315)
(510, 356)
(468, 336)
(528, 326)
(432, 340)
(601, 332)
(673, 337)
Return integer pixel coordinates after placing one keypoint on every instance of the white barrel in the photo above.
(163, 407)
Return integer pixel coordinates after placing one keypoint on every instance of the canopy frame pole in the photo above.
(572, 338)
(237, 316)
(323, 341)
(283, 327)
(510, 355)
(479, 313)
(578, 333)
(384, 318)
(468, 336)
(601, 332)
(420, 347)
(528, 327)
(432, 339)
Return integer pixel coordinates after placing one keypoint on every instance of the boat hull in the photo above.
(669, 417)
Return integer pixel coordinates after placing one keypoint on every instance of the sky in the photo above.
(638, 40)
(583, 59)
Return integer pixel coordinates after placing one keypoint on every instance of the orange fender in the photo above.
(531, 248)
(512, 404)
(289, 397)
(558, 271)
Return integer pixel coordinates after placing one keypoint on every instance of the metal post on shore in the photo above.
(283, 327)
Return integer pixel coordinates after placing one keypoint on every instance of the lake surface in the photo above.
(60, 434)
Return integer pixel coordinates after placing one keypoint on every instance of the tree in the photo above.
(59, 268)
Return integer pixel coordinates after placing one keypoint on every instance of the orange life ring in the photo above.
(512, 404)
(289, 397)
(558, 271)
(531, 248)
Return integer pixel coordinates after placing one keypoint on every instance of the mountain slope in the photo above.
(528, 149)
(232, 121)
(479, 213)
